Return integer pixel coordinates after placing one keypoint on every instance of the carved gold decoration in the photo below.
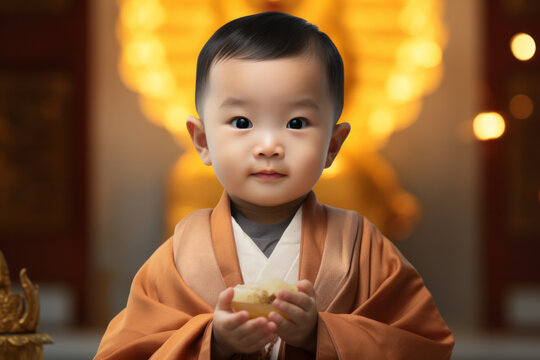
(392, 52)
(23, 346)
(19, 318)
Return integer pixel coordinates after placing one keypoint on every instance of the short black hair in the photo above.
(266, 36)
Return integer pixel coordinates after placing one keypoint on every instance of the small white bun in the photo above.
(257, 298)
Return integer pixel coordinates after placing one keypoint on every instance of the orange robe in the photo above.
(372, 303)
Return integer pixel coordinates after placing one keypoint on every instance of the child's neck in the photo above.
(267, 214)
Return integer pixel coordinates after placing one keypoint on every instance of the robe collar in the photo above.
(311, 249)
(223, 242)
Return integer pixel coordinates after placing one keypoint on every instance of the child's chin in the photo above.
(274, 202)
(267, 200)
(268, 197)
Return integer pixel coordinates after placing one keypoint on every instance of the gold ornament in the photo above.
(19, 318)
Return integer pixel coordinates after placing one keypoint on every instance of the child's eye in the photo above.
(241, 123)
(297, 123)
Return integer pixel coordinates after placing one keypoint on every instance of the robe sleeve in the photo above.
(163, 319)
(394, 316)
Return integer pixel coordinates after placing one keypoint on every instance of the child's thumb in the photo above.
(225, 299)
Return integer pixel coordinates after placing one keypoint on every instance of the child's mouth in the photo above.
(268, 175)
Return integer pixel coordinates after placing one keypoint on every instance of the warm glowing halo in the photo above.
(523, 46)
(488, 125)
(392, 53)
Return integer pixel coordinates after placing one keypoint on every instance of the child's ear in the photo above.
(339, 134)
(196, 130)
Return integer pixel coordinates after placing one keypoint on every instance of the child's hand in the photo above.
(300, 329)
(235, 332)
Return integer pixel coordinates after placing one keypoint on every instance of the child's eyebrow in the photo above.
(306, 102)
(234, 102)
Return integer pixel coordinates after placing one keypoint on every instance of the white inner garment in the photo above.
(282, 264)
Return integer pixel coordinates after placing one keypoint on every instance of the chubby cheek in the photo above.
(230, 157)
(226, 165)
(229, 177)
(309, 167)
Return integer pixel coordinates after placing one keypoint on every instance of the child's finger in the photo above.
(253, 327)
(232, 321)
(279, 320)
(300, 334)
(294, 313)
(257, 338)
(224, 300)
(287, 329)
(300, 299)
(256, 344)
(255, 333)
(306, 287)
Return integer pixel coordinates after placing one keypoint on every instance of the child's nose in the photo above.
(270, 146)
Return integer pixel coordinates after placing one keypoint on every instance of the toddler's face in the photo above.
(268, 126)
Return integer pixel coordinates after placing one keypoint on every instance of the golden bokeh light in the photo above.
(140, 14)
(521, 106)
(145, 52)
(523, 46)
(381, 123)
(419, 52)
(488, 125)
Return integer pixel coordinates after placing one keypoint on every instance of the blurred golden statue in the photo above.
(19, 318)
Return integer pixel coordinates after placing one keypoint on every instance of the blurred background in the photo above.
(444, 156)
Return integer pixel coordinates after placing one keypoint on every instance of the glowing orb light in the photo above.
(523, 46)
(488, 125)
